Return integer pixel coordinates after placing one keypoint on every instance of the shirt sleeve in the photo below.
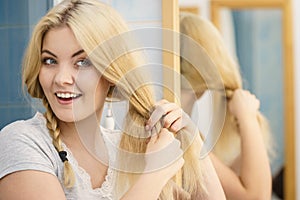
(22, 147)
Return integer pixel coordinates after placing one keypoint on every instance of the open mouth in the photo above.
(67, 96)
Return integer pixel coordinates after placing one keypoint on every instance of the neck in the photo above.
(83, 131)
(86, 134)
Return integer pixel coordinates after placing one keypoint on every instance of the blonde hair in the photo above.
(204, 33)
(99, 29)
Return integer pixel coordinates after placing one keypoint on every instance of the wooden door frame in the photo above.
(171, 59)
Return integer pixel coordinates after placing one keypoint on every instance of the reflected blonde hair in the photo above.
(98, 29)
(203, 32)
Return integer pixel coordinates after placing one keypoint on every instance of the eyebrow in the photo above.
(49, 52)
(78, 53)
(75, 54)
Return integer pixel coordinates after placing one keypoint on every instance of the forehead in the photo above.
(61, 39)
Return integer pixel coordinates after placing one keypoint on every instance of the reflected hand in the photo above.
(243, 104)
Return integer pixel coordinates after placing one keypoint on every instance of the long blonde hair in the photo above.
(204, 33)
(98, 29)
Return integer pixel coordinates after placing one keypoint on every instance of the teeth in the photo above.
(67, 95)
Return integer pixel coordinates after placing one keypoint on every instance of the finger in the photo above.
(154, 131)
(165, 137)
(238, 91)
(155, 117)
(171, 117)
(159, 112)
(165, 134)
(160, 102)
(257, 104)
(176, 126)
(153, 138)
(243, 93)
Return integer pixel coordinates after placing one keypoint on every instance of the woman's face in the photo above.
(73, 87)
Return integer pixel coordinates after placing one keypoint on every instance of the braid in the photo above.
(54, 131)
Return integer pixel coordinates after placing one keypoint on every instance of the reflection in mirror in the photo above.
(267, 28)
(258, 43)
(259, 51)
(244, 139)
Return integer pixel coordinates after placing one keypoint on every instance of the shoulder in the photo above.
(26, 144)
(35, 124)
(31, 129)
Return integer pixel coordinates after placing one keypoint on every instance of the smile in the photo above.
(67, 95)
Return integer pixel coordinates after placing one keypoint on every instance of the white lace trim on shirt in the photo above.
(106, 189)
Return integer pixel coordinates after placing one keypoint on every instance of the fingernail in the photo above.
(147, 127)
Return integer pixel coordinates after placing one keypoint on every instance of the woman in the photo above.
(77, 57)
(240, 155)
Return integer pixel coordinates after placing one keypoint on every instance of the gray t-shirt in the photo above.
(27, 145)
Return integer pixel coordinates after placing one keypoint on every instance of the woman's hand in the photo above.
(163, 160)
(164, 154)
(171, 117)
(243, 105)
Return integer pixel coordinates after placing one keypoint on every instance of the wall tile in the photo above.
(12, 50)
(37, 9)
(4, 12)
(4, 78)
(15, 16)
(10, 114)
(13, 12)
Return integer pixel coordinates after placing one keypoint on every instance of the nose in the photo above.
(65, 75)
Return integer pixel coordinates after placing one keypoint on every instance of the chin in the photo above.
(71, 115)
(65, 116)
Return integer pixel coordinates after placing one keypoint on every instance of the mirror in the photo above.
(263, 43)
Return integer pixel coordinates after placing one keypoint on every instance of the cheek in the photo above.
(93, 85)
(88, 82)
(91, 81)
(44, 79)
(102, 89)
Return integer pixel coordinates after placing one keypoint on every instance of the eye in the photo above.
(49, 61)
(84, 63)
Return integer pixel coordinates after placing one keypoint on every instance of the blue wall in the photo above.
(16, 20)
